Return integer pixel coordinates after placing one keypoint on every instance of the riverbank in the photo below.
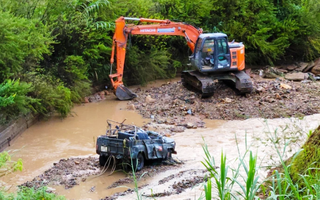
(9, 132)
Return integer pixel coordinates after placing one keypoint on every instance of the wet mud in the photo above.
(67, 172)
(173, 104)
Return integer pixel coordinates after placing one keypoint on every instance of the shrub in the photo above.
(52, 94)
(15, 99)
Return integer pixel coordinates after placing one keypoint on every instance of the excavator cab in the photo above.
(212, 53)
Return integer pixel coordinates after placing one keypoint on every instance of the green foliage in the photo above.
(144, 67)
(69, 42)
(7, 166)
(225, 183)
(208, 190)
(26, 193)
(53, 95)
(75, 69)
(79, 90)
(307, 161)
(14, 99)
(22, 42)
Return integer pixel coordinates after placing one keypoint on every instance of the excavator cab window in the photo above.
(207, 53)
(223, 53)
(198, 45)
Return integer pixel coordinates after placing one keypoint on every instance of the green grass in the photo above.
(26, 193)
(295, 178)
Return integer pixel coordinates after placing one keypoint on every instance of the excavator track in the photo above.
(199, 81)
(205, 83)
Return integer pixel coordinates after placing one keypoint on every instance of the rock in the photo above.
(277, 96)
(270, 75)
(102, 93)
(248, 71)
(310, 65)
(306, 81)
(97, 96)
(92, 99)
(316, 69)
(189, 125)
(272, 72)
(291, 67)
(285, 86)
(178, 129)
(269, 99)
(302, 66)
(149, 99)
(131, 107)
(106, 92)
(50, 189)
(227, 100)
(283, 70)
(299, 76)
(260, 89)
(86, 100)
(76, 162)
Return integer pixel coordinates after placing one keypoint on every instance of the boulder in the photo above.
(92, 99)
(227, 100)
(285, 86)
(86, 100)
(149, 99)
(310, 65)
(190, 125)
(97, 97)
(302, 66)
(131, 107)
(299, 76)
(178, 129)
(283, 70)
(316, 69)
(291, 67)
(102, 95)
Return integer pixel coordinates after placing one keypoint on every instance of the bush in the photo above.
(22, 42)
(141, 67)
(7, 166)
(53, 96)
(15, 99)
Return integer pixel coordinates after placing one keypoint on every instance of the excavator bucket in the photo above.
(124, 93)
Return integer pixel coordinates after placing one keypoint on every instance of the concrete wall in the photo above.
(11, 131)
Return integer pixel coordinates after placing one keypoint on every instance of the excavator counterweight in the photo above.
(213, 57)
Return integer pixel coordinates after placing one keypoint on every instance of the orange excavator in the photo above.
(213, 57)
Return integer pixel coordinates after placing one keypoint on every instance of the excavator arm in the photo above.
(157, 27)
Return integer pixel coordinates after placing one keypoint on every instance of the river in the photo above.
(48, 141)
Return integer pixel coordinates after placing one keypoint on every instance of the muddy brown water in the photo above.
(49, 141)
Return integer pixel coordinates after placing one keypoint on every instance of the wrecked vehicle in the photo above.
(129, 144)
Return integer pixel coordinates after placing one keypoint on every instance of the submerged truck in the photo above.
(132, 146)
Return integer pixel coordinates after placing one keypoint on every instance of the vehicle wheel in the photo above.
(103, 160)
(138, 163)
